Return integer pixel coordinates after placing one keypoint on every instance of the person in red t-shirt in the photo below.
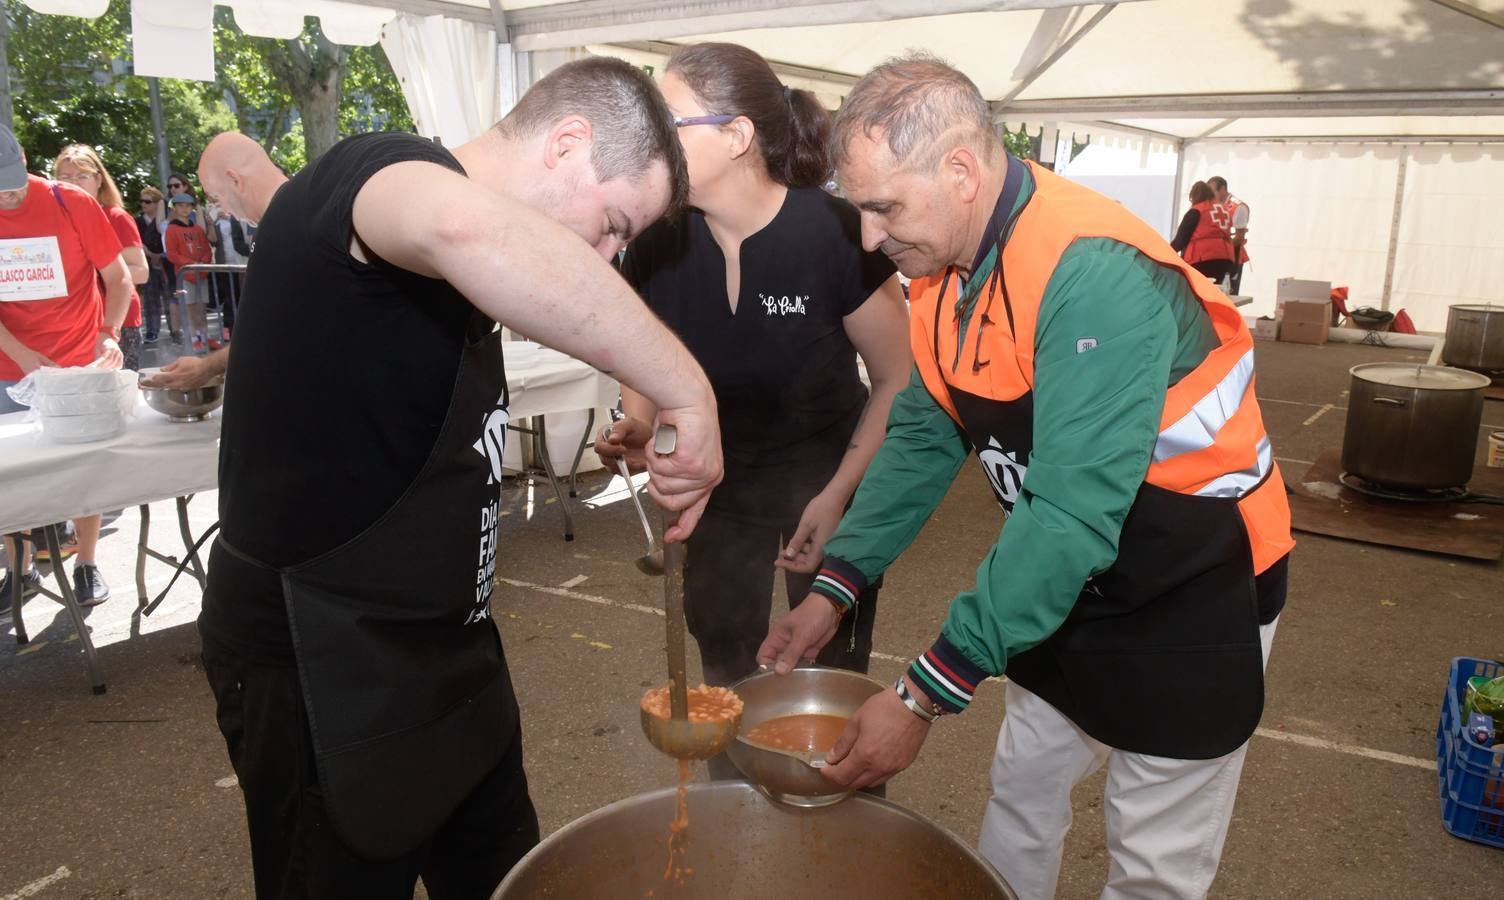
(186, 243)
(56, 249)
(79, 165)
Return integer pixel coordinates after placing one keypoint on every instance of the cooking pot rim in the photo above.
(1364, 371)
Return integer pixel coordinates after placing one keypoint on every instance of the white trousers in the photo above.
(1166, 818)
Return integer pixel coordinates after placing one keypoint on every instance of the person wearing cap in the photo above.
(64, 292)
(187, 244)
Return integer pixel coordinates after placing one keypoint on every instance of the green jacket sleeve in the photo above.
(921, 453)
(1105, 342)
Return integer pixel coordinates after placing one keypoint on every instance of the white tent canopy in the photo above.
(1314, 110)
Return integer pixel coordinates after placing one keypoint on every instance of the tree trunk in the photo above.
(319, 105)
(313, 74)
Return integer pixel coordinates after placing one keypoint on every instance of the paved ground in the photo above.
(128, 795)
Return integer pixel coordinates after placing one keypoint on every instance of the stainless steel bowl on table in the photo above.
(183, 406)
(743, 846)
(808, 690)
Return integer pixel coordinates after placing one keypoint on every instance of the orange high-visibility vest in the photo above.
(1211, 440)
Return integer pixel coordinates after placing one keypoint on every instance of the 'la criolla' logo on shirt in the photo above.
(785, 305)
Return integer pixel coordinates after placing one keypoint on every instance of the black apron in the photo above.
(409, 701)
(1160, 654)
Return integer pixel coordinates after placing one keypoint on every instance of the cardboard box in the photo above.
(1287, 289)
(1302, 289)
(1266, 328)
(1305, 322)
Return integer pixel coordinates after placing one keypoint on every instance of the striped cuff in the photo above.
(947, 676)
(839, 582)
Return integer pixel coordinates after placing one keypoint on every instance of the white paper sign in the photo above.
(31, 269)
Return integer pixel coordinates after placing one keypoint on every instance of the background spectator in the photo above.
(80, 165)
(148, 225)
(57, 317)
(232, 246)
(177, 183)
(187, 243)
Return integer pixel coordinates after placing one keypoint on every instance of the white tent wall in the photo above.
(1320, 211)
(1451, 237)
(1133, 170)
(447, 69)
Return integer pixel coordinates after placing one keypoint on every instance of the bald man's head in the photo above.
(237, 173)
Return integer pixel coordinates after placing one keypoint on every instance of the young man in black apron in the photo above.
(361, 686)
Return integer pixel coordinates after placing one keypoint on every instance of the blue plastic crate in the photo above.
(1471, 776)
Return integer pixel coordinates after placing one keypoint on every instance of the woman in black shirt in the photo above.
(766, 282)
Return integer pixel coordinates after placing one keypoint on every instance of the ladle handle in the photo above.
(673, 612)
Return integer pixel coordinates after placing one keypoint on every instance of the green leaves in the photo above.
(72, 81)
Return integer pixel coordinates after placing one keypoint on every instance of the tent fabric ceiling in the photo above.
(1262, 60)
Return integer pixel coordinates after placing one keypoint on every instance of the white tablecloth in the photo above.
(42, 483)
(544, 381)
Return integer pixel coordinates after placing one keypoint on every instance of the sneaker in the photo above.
(213, 344)
(89, 585)
(175, 336)
(198, 343)
(31, 585)
(149, 338)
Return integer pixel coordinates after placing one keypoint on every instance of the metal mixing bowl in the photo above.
(742, 846)
(184, 406)
(808, 689)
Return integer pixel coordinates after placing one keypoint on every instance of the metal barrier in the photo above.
(193, 300)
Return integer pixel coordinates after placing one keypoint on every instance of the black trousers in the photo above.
(728, 597)
(295, 854)
(1237, 277)
(1215, 269)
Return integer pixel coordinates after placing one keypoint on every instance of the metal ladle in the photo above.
(650, 563)
(676, 736)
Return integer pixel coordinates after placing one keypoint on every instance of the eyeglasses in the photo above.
(681, 121)
(177, 186)
(148, 199)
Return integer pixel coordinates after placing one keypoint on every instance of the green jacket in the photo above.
(1096, 417)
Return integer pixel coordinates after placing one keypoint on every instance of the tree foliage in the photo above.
(72, 82)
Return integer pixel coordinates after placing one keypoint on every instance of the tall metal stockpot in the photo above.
(1412, 426)
(1475, 336)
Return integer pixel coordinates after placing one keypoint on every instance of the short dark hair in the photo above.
(792, 128)
(915, 100)
(1201, 192)
(1217, 182)
(632, 125)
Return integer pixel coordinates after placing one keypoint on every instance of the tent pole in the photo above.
(1179, 178)
(1394, 227)
(164, 166)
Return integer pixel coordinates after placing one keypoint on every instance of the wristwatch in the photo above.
(110, 330)
(928, 715)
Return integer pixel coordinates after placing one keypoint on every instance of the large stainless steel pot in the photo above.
(1475, 336)
(743, 846)
(1411, 426)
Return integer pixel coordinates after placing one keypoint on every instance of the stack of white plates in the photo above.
(77, 405)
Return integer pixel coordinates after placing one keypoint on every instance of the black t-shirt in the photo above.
(340, 383)
(783, 369)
